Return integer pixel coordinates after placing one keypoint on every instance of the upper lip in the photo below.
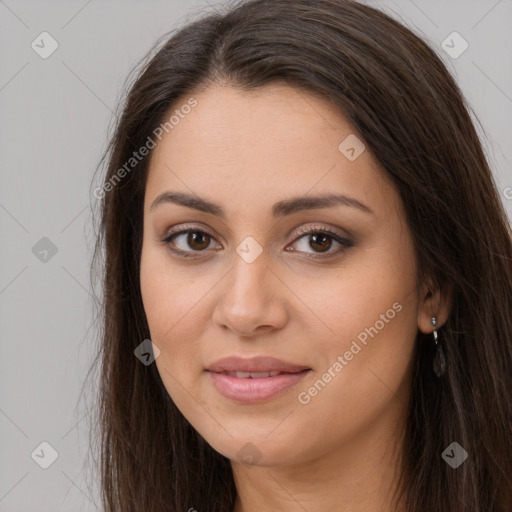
(254, 364)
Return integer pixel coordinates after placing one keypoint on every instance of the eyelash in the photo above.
(302, 233)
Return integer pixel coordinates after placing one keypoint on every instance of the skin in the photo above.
(246, 151)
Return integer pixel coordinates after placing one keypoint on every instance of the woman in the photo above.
(308, 275)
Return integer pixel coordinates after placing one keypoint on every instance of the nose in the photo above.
(251, 300)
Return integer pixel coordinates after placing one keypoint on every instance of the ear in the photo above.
(433, 302)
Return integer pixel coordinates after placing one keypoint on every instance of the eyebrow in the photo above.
(280, 209)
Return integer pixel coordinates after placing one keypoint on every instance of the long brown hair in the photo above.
(400, 97)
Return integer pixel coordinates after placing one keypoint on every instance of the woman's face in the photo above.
(338, 311)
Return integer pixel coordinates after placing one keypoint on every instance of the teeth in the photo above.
(259, 375)
(253, 375)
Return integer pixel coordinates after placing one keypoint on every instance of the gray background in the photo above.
(56, 115)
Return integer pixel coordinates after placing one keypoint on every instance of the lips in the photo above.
(255, 380)
(252, 375)
(254, 366)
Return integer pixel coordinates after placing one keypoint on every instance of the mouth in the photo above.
(255, 365)
(254, 375)
(255, 380)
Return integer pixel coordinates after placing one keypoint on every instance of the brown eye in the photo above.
(318, 242)
(191, 240)
(198, 240)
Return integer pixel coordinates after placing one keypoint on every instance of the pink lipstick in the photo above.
(255, 379)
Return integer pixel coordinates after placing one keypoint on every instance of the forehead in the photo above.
(251, 149)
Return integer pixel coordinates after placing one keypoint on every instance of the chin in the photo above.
(256, 448)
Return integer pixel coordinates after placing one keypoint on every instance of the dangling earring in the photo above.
(439, 359)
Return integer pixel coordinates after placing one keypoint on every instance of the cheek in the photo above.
(366, 361)
(168, 294)
(167, 297)
(174, 304)
(370, 309)
(365, 291)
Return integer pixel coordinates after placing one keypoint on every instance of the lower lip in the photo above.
(251, 391)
